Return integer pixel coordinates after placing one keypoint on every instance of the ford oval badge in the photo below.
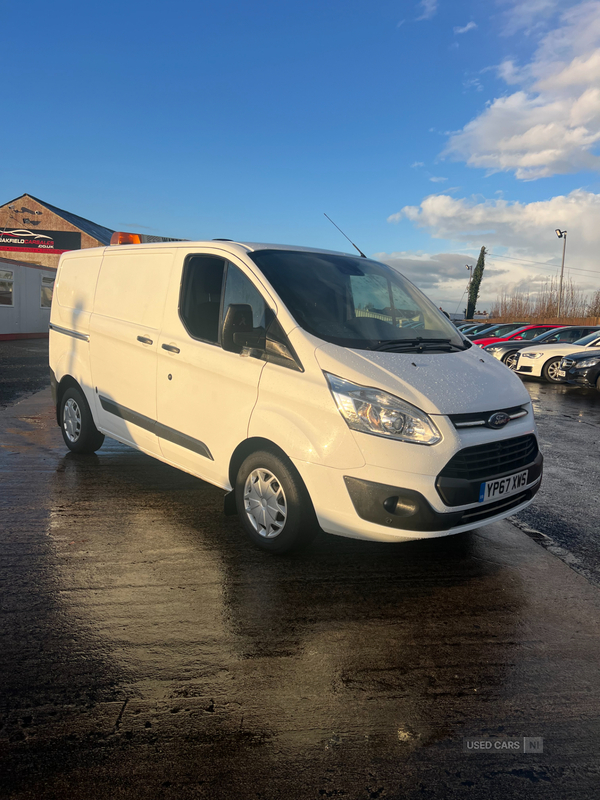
(498, 420)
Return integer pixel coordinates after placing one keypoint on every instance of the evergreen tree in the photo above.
(475, 283)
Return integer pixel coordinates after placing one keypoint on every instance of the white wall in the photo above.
(26, 315)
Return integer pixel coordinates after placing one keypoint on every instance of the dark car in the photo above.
(506, 351)
(477, 327)
(501, 329)
(582, 369)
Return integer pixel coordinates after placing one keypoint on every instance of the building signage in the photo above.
(22, 240)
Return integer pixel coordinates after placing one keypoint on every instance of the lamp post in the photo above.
(561, 235)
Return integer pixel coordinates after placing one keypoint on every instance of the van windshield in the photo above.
(356, 302)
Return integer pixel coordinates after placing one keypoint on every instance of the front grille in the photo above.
(525, 369)
(481, 417)
(489, 460)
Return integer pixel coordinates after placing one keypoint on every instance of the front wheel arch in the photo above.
(246, 448)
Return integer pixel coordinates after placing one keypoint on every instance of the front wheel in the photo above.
(273, 504)
(550, 370)
(77, 425)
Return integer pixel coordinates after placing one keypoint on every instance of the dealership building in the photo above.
(33, 235)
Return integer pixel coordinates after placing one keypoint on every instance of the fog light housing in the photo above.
(400, 506)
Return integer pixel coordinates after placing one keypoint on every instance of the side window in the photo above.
(532, 333)
(200, 300)
(6, 287)
(571, 336)
(239, 289)
(46, 290)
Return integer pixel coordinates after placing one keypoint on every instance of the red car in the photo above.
(520, 335)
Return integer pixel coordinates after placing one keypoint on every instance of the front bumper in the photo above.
(583, 377)
(406, 509)
(388, 504)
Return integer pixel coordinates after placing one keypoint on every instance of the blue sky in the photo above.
(424, 129)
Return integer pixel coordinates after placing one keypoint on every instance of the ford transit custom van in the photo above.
(320, 390)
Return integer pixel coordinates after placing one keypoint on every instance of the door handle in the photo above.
(144, 340)
(171, 348)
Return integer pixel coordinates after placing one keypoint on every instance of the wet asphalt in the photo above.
(23, 368)
(148, 651)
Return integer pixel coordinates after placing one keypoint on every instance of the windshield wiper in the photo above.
(417, 345)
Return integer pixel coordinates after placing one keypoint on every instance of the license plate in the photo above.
(561, 373)
(502, 487)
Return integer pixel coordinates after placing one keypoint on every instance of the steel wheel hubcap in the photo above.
(72, 420)
(265, 503)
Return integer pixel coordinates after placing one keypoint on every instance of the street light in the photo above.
(561, 235)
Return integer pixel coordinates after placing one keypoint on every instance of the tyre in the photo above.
(511, 359)
(550, 369)
(598, 383)
(76, 423)
(273, 504)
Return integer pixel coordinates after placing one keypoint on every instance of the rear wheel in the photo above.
(273, 504)
(511, 359)
(76, 423)
(550, 370)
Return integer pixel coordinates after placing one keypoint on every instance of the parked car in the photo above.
(544, 361)
(507, 351)
(582, 369)
(522, 334)
(315, 388)
(477, 327)
(496, 330)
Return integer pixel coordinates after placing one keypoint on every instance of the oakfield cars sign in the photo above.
(33, 241)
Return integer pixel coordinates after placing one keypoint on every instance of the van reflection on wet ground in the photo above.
(149, 650)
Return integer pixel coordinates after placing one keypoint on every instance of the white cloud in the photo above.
(473, 83)
(429, 8)
(437, 180)
(443, 276)
(468, 27)
(522, 230)
(417, 164)
(530, 16)
(551, 125)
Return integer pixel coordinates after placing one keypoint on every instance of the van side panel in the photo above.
(70, 315)
(124, 331)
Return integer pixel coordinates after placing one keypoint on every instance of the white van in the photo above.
(316, 388)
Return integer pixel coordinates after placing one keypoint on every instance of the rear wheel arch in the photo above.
(66, 382)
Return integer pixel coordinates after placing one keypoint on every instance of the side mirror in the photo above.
(518, 337)
(238, 331)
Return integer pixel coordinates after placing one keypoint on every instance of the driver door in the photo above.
(205, 395)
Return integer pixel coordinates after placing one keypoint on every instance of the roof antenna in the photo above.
(343, 234)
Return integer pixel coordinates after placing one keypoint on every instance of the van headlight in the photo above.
(374, 411)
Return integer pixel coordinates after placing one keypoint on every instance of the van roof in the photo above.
(222, 244)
